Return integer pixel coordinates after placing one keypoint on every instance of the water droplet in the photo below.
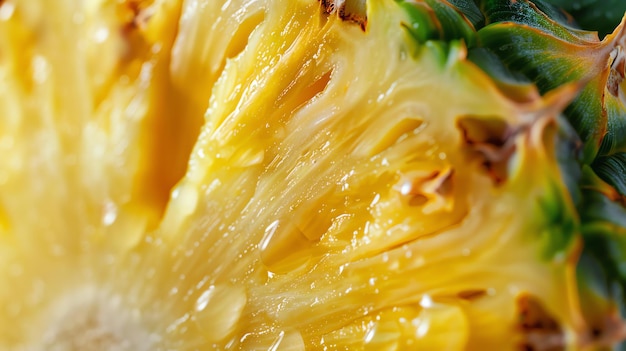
(109, 213)
(186, 198)
(125, 226)
(369, 336)
(101, 34)
(375, 200)
(218, 311)
(284, 247)
(183, 203)
(406, 187)
(426, 301)
(422, 327)
(249, 158)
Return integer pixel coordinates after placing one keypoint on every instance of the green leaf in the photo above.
(603, 208)
(517, 86)
(612, 169)
(560, 225)
(601, 214)
(599, 15)
(568, 156)
(471, 11)
(602, 265)
(615, 138)
(552, 54)
(550, 63)
(453, 23)
(422, 26)
(538, 15)
(601, 282)
(437, 20)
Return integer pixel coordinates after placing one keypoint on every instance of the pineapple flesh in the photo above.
(304, 175)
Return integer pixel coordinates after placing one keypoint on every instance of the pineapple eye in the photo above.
(540, 331)
(354, 11)
(137, 14)
(493, 140)
(432, 191)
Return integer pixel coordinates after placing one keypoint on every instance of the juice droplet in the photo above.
(127, 228)
(183, 203)
(284, 247)
(109, 213)
(249, 158)
(218, 311)
(185, 197)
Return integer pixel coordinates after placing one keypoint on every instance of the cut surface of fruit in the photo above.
(266, 175)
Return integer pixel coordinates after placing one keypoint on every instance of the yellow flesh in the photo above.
(327, 202)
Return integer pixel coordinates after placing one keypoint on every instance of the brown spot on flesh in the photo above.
(493, 140)
(617, 73)
(605, 332)
(353, 11)
(431, 190)
(139, 12)
(472, 294)
(540, 331)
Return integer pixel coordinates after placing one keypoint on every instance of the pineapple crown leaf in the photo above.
(536, 14)
(602, 203)
(523, 37)
(436, 20)
(612, 169)
(599, 15)
(598, 114)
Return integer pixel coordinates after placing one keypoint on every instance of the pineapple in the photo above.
(304, 175)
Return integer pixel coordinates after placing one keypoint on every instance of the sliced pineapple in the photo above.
(255, 174)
